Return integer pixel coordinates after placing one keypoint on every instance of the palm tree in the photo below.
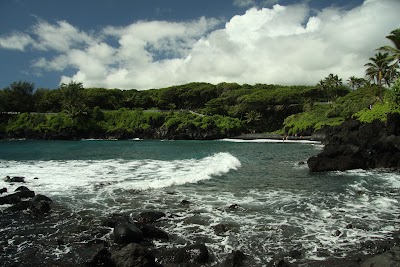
(377, 70)
(352, 82)
(252, 116)
(332, 82)
(393, 51)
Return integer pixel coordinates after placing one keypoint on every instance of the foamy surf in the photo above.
(86, 175)
(261, 140)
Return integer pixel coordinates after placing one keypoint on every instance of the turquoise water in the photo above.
(281, 205)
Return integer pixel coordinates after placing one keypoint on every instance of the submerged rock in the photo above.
(185, 202)
(152, 232)
(150, 216)
(3, 190)
(279, 263)
(197, 253)
(40, 197)
(114, 219)
(234, 207)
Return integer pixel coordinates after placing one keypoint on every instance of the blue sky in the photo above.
(157, 43)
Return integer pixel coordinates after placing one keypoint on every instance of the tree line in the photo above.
(250, 108)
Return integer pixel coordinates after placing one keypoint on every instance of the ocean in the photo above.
(261, 191)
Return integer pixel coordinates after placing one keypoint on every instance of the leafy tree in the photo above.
(19, 96)
(73, 101)
(46, 100)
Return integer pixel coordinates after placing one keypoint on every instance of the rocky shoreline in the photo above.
(356, 145)
(34, 228)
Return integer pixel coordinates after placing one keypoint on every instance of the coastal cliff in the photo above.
(357, 145)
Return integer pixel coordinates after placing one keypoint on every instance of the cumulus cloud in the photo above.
(281, 44)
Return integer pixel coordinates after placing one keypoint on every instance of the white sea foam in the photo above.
(267, 221)
(57, 176)
(261, 140)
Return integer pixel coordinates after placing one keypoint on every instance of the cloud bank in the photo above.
(280, 45)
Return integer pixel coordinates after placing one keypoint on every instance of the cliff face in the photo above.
(356, 145)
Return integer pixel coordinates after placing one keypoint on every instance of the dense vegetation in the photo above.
(201, 110)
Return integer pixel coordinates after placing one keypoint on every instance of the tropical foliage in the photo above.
(202, 110)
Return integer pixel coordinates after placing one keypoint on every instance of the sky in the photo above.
(145, 44)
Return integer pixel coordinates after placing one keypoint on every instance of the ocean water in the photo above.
(281, 206)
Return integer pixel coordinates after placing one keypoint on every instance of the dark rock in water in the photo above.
(15, 179)
(134, 255)
(337, 233)
(295, 254)
(235, 259)
(40, 207)
(114, 219)
(185, 202)
(234, 207)
(340, 163)
(25, 194)
(22, 188)
(3, 190)
(10, 199)
(349, 226)
(222, 228)
(40, 197)
(150, 216)
(23, 205)
(389, 258)
(152, 232)
(193, 254)
(301, 163)
(356, 145)
(279, 263)
(125, 233)
(101, 258)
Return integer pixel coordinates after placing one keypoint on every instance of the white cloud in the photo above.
(60, 37)
(244, 3)
(282, 45)
(16, 41)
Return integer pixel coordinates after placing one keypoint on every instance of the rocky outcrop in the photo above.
(38, 205)
(356, 145)
(134, 255)
(14, 179)
(389, 258)
(125, 233)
